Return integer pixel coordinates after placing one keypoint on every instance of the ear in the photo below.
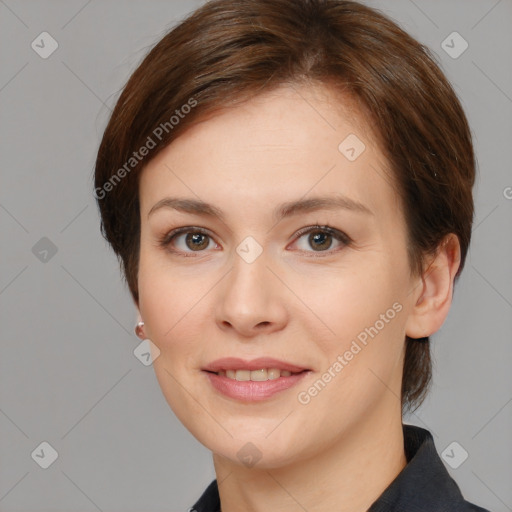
(138, 316)
(433, 296)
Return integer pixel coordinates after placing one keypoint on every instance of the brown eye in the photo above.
(321, 239)
(186, 240)
(196, 241)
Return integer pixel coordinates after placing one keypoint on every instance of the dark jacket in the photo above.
(424, 485)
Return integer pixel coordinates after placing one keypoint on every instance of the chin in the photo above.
(261, 451)
(250, 455)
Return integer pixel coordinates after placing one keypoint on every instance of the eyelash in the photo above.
(166, 239)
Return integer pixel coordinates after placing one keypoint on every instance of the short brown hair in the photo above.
(230, 50)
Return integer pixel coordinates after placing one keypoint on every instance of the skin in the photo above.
(295, 302)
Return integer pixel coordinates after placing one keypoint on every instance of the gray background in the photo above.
(68, 373)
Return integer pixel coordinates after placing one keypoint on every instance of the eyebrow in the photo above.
(198, 207)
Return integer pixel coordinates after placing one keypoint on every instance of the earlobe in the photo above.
(434, 298)
(139, 326)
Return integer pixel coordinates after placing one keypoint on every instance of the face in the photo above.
(299, 258)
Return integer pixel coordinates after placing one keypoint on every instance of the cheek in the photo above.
(161, 299)
(364, 313)
(169, 302)
(174, 304)
(350, 300)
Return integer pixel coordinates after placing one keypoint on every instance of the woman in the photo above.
(288, 187)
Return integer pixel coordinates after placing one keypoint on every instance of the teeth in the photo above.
(255, 375)
(274, 373)
(243, 375)
(259, 375)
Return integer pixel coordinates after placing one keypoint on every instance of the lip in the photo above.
(253, 391)
(235, 363)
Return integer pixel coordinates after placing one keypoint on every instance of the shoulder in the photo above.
(209, 500)
(424, 485)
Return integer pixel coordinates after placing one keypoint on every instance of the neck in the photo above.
(347, 477)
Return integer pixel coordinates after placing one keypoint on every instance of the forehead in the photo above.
(281, 145)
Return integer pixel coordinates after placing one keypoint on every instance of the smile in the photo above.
(255, 375)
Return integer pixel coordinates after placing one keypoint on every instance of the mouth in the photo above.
(254, 380)
(260, 375)
(263, 368)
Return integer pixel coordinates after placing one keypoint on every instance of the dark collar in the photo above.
(424, 485)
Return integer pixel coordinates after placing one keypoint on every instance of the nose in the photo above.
(251, 300)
